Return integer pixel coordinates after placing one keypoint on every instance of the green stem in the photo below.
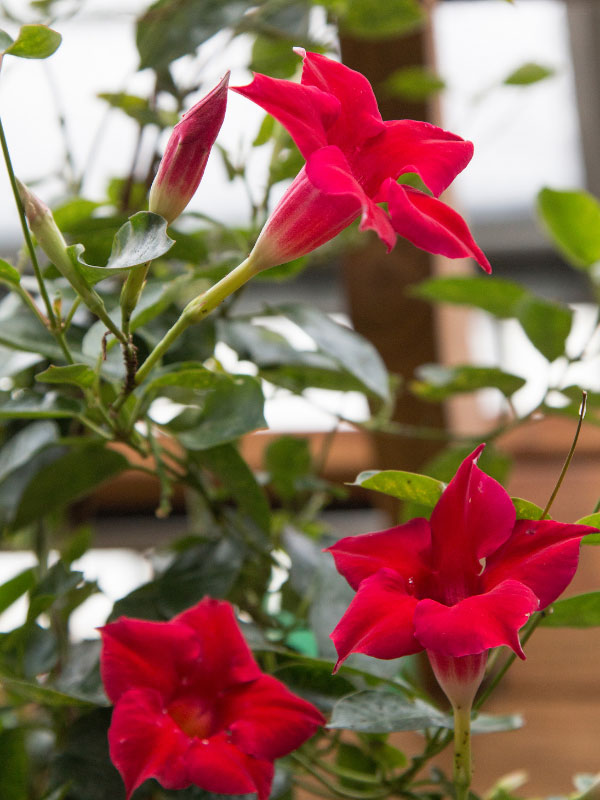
(130, 294)
(196, 310)
(26, 234)
(462, 752)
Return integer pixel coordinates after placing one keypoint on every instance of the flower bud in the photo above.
(182, 166)
(44, 228)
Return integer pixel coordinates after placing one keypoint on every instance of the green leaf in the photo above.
(436, 382)
(71, 476)
(139, 109)
(34, 41)
(403, 485)
(582, 611)
(5, 40)
(15, 764)
(24, 332)
(348, 348)
(15, 588)
(239, 482)
(526, 509)
(367, 20)
(43, 695)
(498, 297)
(274, 57)
(8, 273)
(527, 74)
(414, 83)
(594, 521)
(547, 325)
(20, 448)
(173, 28)
(573, 221)
(78, 374)
(267, 126)
(288, 461)
(141, 239)
(30, 405)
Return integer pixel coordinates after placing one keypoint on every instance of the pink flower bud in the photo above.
(182, 166)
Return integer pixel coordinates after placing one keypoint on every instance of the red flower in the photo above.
(353, 159)
(457, 585)
(193, 707)
(183, 164)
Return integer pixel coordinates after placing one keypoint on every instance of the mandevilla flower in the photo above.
(183, 164)
(353, 160)
(193, 707)
(457, 585)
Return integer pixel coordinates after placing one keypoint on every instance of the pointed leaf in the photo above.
(527, 74)
(385, 712)
(526, 509)
(367, 20)
(8, 273)
(43, 695)
(573, 221)
(20, 448)
(436, 382)
(15, 588)
(594, 521)
(34, 41)
(29, 405)
(403, 485)
(546, 324)
(582, 611)
(498, 297)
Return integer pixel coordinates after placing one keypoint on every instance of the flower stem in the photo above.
(462, 751)
(196, 310)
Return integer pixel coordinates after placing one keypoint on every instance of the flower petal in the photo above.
(379, 620)
(359, 118)
(330, 172)
(145, 743)
(430, 224)
(476, 623)
(305, 112)
(405, 549)
(141, 654)
(266, 720)
(473, 518)
(224, 657)
(542, 554)
(407, 145)
(218, 766)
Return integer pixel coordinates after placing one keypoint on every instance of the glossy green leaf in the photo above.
(436, 382)
(594, 521)
(20, 448)
(43, 695)
(573, 221)
(77, 374)
(348, 348)
(238, 481)
(582, 611)
(526, 509)
(139, 109)
(70, 477)
(414, 83)
(547, 325)
(403, 485)
(34, 41)
(15, 588)
(8, 273)
(496, 296)
(27, 404)
(141, 239)
(173, 28)
(527, 74)
(15, 764)
(367, 20)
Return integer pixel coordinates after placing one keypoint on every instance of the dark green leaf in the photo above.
(78, 374)
(34, 41)
(573, 221)
(73, 214)
(594, 521)
(15, 764)
(29, 405)
(298, 377)
(547, 325)
(15, 588)
(527, 74)
(173, 28)
(436, 382)
(526, 509)
(265, 131)
(352, 351)
(497, 296)
(367, 20)
(140, 240)
(288, 461)
(414, 83)
(139, 109)
(68, 478)
(274, 57)
(8, 273)
(238, 481)
(19, 449)
(582, 611)
(403, 485)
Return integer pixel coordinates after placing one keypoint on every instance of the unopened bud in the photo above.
(182, 166)
(44, 228)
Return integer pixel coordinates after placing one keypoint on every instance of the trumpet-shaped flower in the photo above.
(193, 707)
(353, 160)
(184, 161)
(457, 585)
